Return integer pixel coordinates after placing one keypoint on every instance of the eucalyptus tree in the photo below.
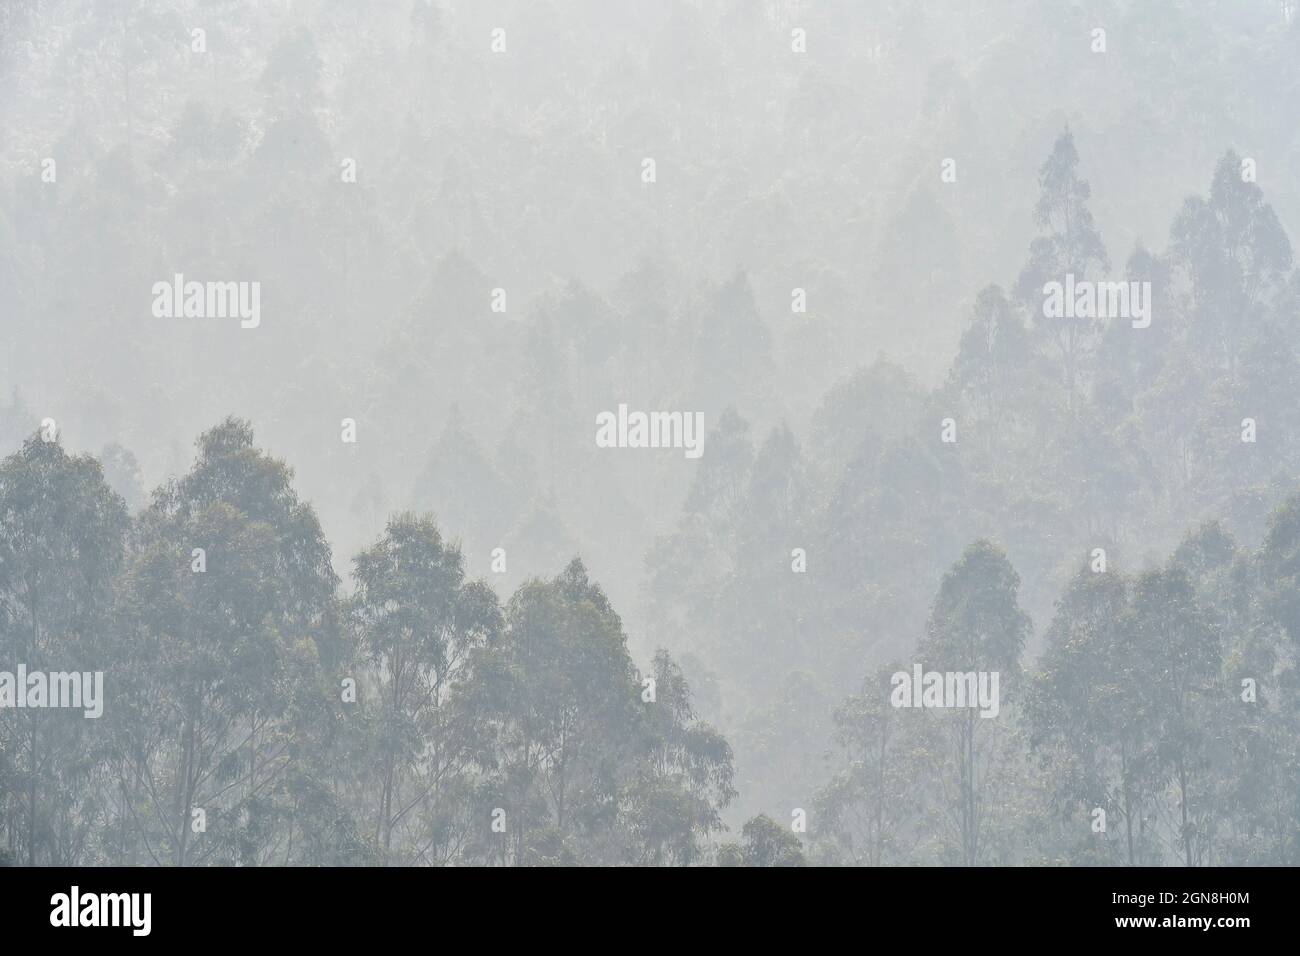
(683, 778)
(975, 626)
(1179, 646)
(1090, 718)
(1235, 254)
(1071, 245)
(62, 534)
(232, 629)
(559, 698)
(418, 620)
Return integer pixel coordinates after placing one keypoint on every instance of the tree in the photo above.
(233, 650)
(1089, 711)
(1181, 649)
(418, 622)
(468, 492)
(1235, 253)
(558, 697)
(976, 625)
(1072, 245)
(1279, 561)
(992, 350)
(765, 843)
(62, 533)
(684, 779)
(874, 798)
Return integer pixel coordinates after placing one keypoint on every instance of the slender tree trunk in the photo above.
(1128, 800)
(1182, 795)
(973, 852)
(559, 803)
(386, 807)
(33, 740)
(31, 796)
(878, 849)
(184, 785)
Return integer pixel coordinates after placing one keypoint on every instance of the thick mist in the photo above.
(589, 433)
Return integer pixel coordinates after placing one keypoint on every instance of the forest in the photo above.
(959, 340)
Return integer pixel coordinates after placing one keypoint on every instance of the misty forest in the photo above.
(988, 311)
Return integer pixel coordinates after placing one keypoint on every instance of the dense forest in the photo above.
(395, 606)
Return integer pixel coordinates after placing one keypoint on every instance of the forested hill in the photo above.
(991, 322)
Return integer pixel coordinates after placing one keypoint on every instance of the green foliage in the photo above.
(764, 843)
(62, 537)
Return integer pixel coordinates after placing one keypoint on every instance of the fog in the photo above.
(590, 433)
